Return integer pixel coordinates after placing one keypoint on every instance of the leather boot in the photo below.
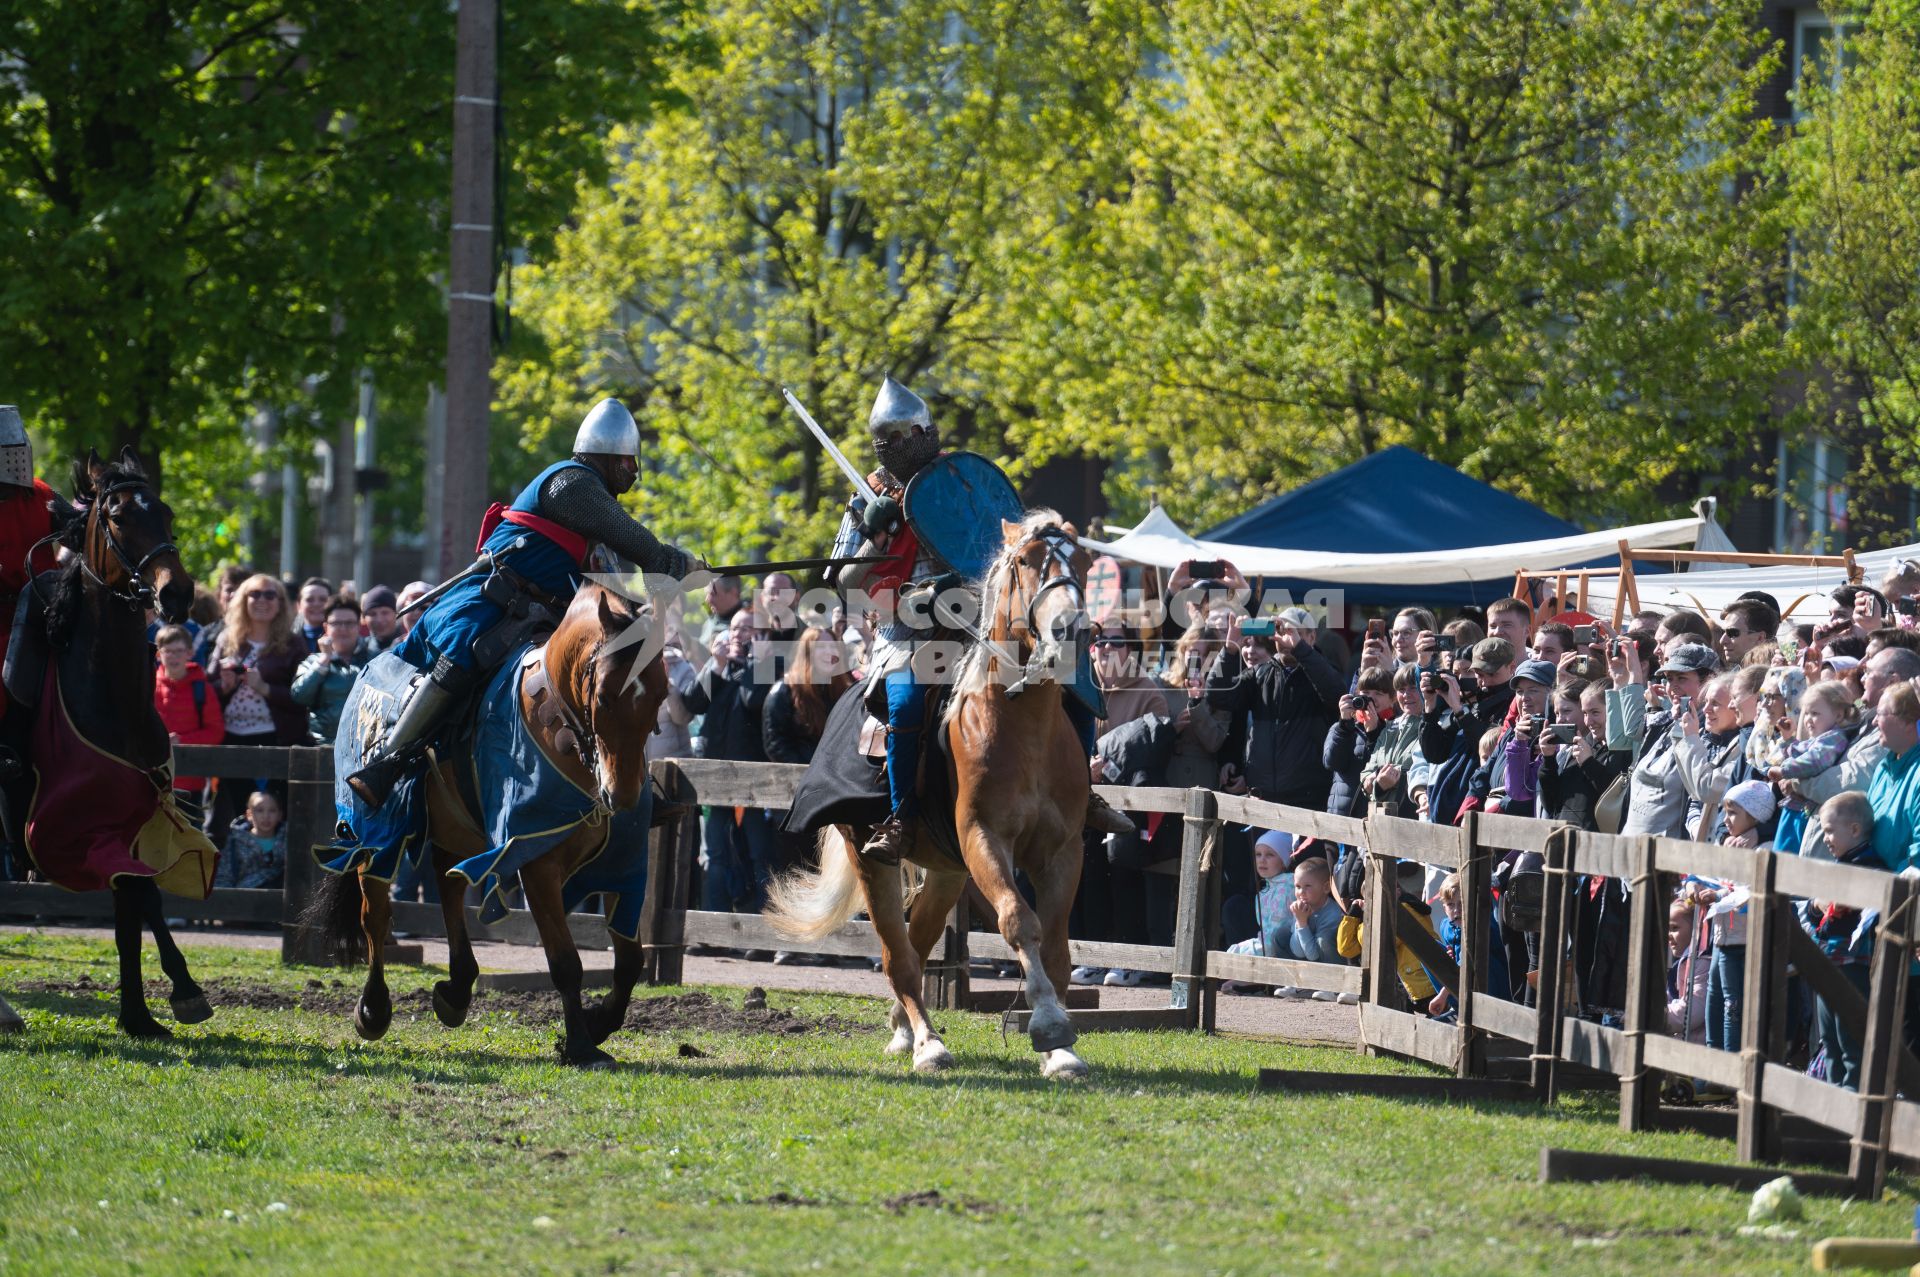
(419, 718)
(892, 840)
(1105, 817)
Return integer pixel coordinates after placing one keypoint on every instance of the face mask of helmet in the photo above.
(906, 450)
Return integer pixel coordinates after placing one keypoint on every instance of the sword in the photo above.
(795, 565)
(482, 564)
(860, 484)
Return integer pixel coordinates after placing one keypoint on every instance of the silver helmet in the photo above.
(16, 450)
(898, 411)
(609, 430)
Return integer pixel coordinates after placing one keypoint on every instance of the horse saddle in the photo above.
(25, 669)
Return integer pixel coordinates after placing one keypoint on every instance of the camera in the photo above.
(1584, 635)
(1469, 685)
(1562, 732)
(1205, 569)
(1907, 606)
(1360, 703)
(1443, 643)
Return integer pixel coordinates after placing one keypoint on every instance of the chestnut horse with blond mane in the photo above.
(1019, 785)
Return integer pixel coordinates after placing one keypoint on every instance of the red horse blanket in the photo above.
(96, 817)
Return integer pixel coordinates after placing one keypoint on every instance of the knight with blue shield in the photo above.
(535, 553)
(906, 442)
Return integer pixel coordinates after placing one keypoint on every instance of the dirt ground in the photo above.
(1297, 1019)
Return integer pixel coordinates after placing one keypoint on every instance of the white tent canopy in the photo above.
(1159, 542)
(1709, 592)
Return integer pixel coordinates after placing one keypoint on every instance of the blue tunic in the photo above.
(460, 616)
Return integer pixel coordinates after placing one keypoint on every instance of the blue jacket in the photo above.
(462, 615)
(1894, 793)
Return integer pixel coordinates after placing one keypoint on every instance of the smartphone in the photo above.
(1682, 704)
(1443, 643)
(1257, 627)
(1562, 732)
(1377, 628)
(1584, 635)
(1205, 569)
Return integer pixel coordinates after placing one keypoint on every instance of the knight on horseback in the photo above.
(905, 440)
(536, 553)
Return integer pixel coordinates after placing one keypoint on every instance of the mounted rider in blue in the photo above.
(907, 443)
(541, 547)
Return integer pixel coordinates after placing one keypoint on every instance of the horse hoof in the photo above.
(450, 1013)
(148, 1028)
(1055, 1034)
(370, 1023)
(1063, 1065)
(901, 1043)
(933, 1057)
(193, 1010)
(593, 1059)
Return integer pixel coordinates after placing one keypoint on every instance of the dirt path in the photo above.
(1260, 1016)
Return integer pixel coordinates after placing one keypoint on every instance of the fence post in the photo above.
(1192, 932)
(946, 983)
(310, 819)
(1380, 953)
(1879, 1051)
(1550, 987)
(1646, 990)
(1764, 1019)
(1475, 904)
(670, 851)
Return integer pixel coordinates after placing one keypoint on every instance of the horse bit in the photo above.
(139, 595)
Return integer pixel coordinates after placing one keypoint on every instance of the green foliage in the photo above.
(1851, 165)
(1502, 234)
(857, 190)
(214, 205)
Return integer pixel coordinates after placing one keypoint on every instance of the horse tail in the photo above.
(333, 912)
(808, 904)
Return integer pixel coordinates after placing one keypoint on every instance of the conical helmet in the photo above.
(897, 408)
(16, 450)
(608, 430)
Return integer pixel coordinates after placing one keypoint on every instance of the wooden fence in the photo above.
(1489, 1029)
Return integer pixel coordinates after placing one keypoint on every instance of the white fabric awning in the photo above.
(1801, 591)
(1159, 542)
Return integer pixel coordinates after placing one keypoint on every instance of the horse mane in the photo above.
(70, 527)
(975, 668)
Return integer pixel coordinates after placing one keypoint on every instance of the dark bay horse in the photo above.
(1020, 790)
(117, 826)
(591, 706)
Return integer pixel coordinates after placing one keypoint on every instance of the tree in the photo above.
(215, 204)
(1504, 234)
(857, 190)
(1856, 212)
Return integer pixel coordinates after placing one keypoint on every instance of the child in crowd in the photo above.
(256, 850)
(1270, 906)
(1747, 807)
(1845, 933)
(1777, 720)
(1351, 939)
(1827, 716)
(1451, 936)
(1687, 968)
(189, 708)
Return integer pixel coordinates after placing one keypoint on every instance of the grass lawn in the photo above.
(271, 1139)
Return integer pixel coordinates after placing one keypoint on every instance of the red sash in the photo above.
(572, 542)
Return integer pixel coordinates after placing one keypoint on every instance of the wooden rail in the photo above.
(1877, 1123)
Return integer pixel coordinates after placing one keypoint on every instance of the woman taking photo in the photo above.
(254, 662)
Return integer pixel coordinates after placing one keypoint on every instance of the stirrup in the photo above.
(888, 843)
(1107, 818)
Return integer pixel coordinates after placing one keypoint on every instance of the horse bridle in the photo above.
(1059, 554)
(140, 594)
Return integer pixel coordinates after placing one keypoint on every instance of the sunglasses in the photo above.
(262, 594)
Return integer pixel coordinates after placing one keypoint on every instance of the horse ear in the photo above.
(1072, 532)
(1008, 530)
(86, 472)
(609, 619)
(130, 460)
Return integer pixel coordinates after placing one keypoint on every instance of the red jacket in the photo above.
(193, 720)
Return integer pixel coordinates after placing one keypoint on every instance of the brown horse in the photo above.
(96, 806)
(1020, 790)
(590, 699)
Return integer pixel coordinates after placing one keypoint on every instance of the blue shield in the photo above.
(955, 505)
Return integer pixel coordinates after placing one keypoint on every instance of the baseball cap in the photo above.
(1690, 658)
(1493, 654)
(379, 596)
(1541, 672)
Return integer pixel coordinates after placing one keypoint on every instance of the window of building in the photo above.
(1810, 510)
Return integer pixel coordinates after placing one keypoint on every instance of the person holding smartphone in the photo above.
(1459, 710)
(1280, 695)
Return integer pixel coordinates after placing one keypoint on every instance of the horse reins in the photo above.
(140, 594)
(1060, 554)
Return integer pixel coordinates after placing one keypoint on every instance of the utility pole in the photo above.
(463, 454)
(366, 481)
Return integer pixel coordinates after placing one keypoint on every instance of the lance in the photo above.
(795, 565)
(482, 564)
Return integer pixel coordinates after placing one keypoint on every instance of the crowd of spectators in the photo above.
(1739, 728)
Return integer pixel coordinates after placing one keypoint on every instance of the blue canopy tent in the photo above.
(1395, 502)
